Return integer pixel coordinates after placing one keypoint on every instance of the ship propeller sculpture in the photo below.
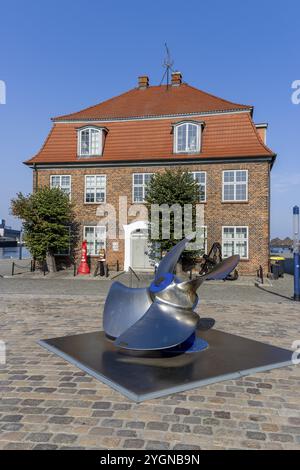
(161, 316)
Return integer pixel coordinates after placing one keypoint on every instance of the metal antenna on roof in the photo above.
(168, 64)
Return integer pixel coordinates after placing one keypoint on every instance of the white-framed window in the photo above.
(139, 184)
(235, 185)
(61, 181)
(95, 235)
(235, 241)
(90, 141)
(187, 137)
(200, 177)
(95, 189)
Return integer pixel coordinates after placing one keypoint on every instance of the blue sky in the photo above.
(59, 56)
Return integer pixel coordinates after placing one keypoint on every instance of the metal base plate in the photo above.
(141, 377)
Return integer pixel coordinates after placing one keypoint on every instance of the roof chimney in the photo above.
(143, 82)
(262, 131)
(176, 79)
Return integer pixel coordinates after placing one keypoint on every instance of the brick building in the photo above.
(111, 149)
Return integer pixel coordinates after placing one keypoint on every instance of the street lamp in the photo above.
(296, 249)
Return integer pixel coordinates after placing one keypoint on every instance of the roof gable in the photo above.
(155, 101)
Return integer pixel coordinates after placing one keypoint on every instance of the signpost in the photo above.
(20, 244)
(296, 249)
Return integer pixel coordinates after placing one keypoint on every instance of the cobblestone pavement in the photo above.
(218, 290)
(46, 403)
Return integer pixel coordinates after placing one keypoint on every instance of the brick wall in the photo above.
(254, 213)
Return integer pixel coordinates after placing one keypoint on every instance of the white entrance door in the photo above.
(139, 251)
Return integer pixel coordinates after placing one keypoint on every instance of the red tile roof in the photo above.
(224, 135)
(155, 101)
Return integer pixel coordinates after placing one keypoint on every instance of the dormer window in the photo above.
(90, 141)
(187, 137)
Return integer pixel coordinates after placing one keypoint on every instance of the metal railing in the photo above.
(132, 274)
(30, 267)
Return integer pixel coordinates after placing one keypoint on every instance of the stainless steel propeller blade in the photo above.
(163, 326)
(168, 263)
(224, 268)
(180, 294)
(124, 306)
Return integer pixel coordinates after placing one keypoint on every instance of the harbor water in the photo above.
(12, 252)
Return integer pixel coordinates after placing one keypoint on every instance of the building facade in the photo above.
(106, 154)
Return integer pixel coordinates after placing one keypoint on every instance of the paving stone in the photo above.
(76, 404)
(157, 426)
(39, 437)
(18, 446)
(207, 430)
(182, 411)
(157, 445)
(171, 418)
(86, 391)
(259, 436)
(211, 421)
(281, 437)
(11, 427)
(192, 420)
(255, 403)
(257, 418)
(185, 447)
(101, 431)
(115, 423)
(204, 413)
(45, 390)
(71, 448)
(133, 444)
(291, 429)
(126, 433)
(9, 401)
(45, 447)
(248, 425)
(63, 438)
(197, 398)
(11, 418)
(264, 385)
(121, 406)
(31, 402)
(57, 411)
(102, 405)
(254, 391)
(225, 394)
(61, 419)
(103, 413)
(222, 414)
(31, 410)
(294, 420)
(135, 424)
(180, 428)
